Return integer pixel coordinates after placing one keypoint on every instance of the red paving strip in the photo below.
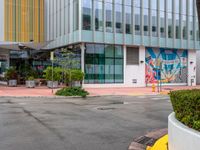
(43, 91)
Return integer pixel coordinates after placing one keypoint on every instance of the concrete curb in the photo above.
(52, 97)
(149, 139)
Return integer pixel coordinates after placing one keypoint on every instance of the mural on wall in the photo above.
(167, 65)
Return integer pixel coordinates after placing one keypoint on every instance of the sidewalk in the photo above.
(22, 91)
(135, 91)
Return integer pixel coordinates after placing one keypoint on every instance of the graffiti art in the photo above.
(166, 65)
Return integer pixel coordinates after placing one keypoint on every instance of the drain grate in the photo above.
(106, 108)
(146, 141)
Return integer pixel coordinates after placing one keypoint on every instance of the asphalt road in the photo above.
(101, 123)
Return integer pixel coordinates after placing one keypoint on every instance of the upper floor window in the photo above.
(109, 15)
(98, 15)
(87, 14)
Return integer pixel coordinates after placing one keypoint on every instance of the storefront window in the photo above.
(103, 64)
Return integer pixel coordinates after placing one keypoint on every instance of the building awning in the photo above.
(23, 45)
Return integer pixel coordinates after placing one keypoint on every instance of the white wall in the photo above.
(2, 20)
(136, 72)
(198, 67)
(192, 67)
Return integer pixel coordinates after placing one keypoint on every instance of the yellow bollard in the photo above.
(153, 88)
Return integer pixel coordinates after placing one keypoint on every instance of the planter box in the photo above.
(12, 83)
(76, 84)
(30, 84)
(52, 84)
(182, 137)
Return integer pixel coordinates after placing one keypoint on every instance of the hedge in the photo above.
(73, 91)
(186, 105)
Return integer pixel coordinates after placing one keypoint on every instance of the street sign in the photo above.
(52, 56)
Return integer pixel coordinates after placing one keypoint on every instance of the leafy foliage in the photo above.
(73, 91)
(186, 104)
(11, 74)
(30, 78)
(57, 73)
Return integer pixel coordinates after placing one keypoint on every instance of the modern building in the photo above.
(129, 43)
(119, 43)
(22, 21)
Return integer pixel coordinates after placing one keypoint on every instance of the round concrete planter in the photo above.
(52, 84)
(182, 137)
(12, 83)
(30, 84)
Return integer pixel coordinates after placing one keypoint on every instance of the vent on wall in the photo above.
(132, 56)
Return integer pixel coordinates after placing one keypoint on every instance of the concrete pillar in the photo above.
(82, 46)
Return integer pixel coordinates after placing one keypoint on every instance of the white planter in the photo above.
(76, 84)
(182, 137)
(52, 84)
(12, 83)
(30, 84)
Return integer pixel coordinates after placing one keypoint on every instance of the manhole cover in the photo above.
(106, 108)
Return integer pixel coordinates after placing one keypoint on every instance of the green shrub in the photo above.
(77, 75)
(74, 91)
(11, 74)
(186, 105)
(57, 73)
(30, 78)
(73, 75)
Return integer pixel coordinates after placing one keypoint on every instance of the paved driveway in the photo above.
(101, 123)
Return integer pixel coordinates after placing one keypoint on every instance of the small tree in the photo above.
(69, 62)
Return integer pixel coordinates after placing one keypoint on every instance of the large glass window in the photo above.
(146, 17)
(137, 8)
(177, 19)
(103, 64)
(191, 28)
(170, 16)
(154, 17)
(118, 16)
(162, 18)
(191, 3)
(87, 14)
(75, 16)
(109, 15)
(128, 12)
(98, 15)
(184, 27)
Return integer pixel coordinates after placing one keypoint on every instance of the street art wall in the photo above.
(166, 65)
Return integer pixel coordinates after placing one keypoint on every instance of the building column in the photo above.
(192, 68)
(82, 46)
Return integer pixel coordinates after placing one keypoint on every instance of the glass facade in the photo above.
(119, 15)
(103, 64)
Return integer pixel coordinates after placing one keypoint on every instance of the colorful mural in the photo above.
(167, 65)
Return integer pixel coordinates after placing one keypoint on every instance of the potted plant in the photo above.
(52, 79)
(77, 77)
(30, 82)
(11, 76)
